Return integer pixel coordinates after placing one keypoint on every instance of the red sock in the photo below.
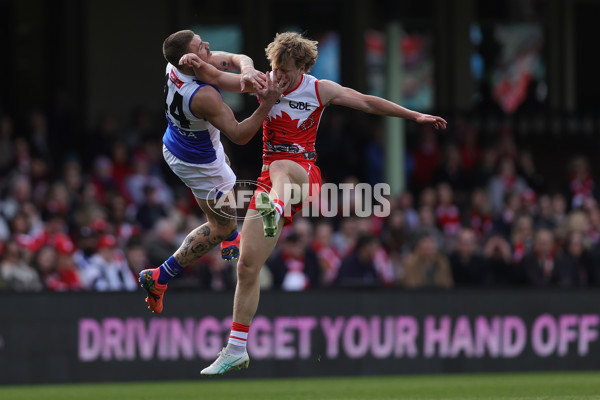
(239, 334)
(280, 207)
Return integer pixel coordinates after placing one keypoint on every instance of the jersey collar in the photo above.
(298, 85)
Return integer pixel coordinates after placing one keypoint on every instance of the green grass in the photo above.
(560, 385)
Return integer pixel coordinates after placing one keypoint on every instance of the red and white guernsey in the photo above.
(290, 130)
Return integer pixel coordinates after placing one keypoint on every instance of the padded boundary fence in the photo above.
(91, 337)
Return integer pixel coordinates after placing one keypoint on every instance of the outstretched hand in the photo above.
(254, 78)
(272, 89)
(438, 122)
(191, 60)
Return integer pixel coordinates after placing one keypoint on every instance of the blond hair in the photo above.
(295, 46)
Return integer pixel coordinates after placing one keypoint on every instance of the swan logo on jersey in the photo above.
(282, 119)
(308, 123)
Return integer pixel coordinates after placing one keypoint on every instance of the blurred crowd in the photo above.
(474, 214)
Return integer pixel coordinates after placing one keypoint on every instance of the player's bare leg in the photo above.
(286, 174)
(255, 249)
(260, 232)
(221, 225)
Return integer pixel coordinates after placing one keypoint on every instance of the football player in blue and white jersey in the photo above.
(196, 115)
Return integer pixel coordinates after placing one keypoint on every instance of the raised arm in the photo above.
(333, 93)
(230, 62)
(241, 63)
(207, 73)
(207, 103)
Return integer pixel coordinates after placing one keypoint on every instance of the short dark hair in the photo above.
(177, 45)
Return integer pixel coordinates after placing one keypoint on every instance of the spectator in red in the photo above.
(529, 203)
(294, 267)
(66, 277)
(327, 254)
(447, 212)
(58, 200)
(581, 185)
(479, 215)
(426, 158)
(521, 237)
(55, 231)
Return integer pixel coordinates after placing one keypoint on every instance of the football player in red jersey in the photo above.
(289, 134)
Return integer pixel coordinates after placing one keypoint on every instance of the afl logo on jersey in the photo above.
(299, 105)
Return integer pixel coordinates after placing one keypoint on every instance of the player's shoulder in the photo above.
(206, 97)
(204, 90)
(310, 78)
(328, 89)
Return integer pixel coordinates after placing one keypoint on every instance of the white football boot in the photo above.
(226, 362)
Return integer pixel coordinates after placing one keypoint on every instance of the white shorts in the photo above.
(207, 181)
